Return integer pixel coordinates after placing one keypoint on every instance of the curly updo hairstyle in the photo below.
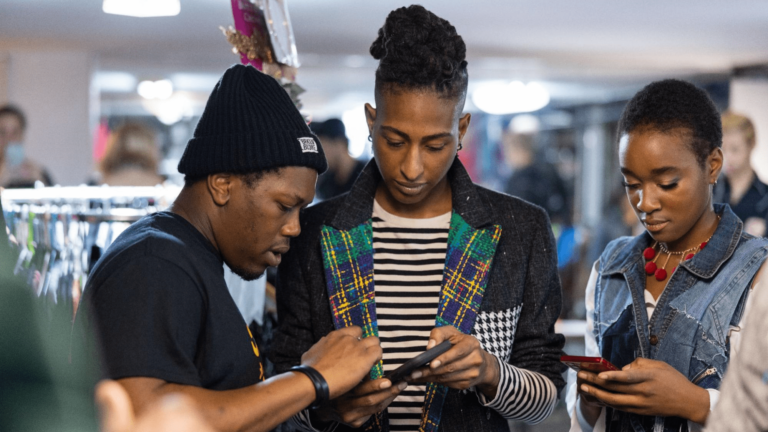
(674, 104)
(417, 50)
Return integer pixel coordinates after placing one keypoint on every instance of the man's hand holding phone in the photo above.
(355, 407)
(463, 366)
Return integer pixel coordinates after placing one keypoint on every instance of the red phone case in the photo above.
(600, 364)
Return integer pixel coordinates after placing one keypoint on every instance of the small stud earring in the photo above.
(460, 146)
(370, 138)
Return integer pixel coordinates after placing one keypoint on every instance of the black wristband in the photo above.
(322, 393)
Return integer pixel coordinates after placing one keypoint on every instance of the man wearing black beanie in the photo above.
(158, 300)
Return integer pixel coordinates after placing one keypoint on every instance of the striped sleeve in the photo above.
(522, 395)
(302, 422)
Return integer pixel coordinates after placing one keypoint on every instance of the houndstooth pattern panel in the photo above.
(496, 331)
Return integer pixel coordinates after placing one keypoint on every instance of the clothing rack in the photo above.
(58, 233)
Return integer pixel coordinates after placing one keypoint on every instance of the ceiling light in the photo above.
(142, 8)
(524, 124)
(508, 98)
(171, 110)
(162, 89)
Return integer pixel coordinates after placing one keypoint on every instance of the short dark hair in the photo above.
(15, 111)
(675, 104)
(250, 179)
(331, 128)
(417, 50)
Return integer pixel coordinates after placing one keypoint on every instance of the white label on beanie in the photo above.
(308, 145)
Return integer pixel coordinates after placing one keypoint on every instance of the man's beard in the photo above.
(245, 274)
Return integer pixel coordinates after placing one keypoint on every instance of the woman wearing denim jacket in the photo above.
(666, 306)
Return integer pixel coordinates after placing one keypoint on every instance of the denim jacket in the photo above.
(689, 327)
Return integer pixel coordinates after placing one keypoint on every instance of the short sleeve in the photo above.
(148, 315)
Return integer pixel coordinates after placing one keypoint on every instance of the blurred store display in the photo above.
(57, 234)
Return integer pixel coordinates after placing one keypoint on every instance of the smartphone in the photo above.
(420, 360)
(591, 364)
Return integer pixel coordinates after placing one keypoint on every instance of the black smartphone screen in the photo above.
(420, 360)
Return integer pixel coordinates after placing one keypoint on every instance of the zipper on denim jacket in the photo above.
(708, 372)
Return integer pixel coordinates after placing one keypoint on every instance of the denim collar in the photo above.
(704, 264)
(357, 207)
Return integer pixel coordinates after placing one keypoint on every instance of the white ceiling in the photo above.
(602, 44)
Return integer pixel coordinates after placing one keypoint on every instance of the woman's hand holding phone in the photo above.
(465, 365)
(646, 387)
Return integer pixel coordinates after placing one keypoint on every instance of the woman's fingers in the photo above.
(629, 376)
(616, 400)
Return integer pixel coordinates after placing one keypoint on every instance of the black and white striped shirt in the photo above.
(408, 262)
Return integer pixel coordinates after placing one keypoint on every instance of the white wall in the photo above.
(3, 78)
(750, 97)
(53, 89)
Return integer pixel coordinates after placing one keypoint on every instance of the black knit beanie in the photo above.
(250, 124)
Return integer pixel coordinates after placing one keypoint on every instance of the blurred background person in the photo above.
(343, 169)
(131, 158)
(533, 179)
(537, 181)
(16, 170)
(740, 187)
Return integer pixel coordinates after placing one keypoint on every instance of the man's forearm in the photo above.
(257, 408)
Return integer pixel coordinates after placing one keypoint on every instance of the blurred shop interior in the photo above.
(548, 82)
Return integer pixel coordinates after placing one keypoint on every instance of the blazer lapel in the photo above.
(348, 263)
(467, 266)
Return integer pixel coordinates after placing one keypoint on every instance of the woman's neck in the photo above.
(438, 202)
(702, 230)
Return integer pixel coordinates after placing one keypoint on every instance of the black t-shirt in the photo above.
(159, 303)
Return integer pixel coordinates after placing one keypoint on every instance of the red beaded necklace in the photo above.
(660, 273)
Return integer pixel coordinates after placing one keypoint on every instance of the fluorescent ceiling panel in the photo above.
(142, 8)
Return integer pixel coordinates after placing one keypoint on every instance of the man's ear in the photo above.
(220, 187)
